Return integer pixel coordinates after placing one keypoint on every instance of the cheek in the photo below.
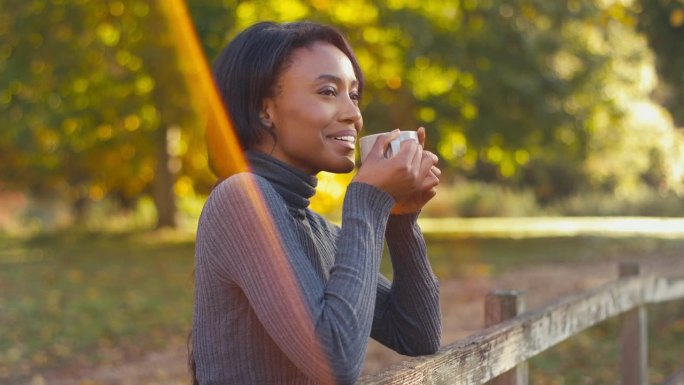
(319, 116)
(314, 111)
(300, 116)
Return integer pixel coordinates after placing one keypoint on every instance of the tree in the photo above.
(529, 93)
(523, 92)
(95, 104)
(662, 21)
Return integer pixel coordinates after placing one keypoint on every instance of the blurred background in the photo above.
(543, 112)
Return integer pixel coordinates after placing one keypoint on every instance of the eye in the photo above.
(355, 96)
(328, 91)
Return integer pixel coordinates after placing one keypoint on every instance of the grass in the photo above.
(591, 357)
(460, 256)
(89, 298)
(78, 298)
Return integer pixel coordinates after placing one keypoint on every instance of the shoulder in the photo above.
(241, 194)
(236, 202)
(241, 187)
(239, 183)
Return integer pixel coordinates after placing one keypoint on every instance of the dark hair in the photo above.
(247, 70)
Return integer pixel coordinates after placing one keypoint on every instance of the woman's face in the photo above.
(315, 111)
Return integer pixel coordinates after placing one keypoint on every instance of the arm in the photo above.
(321, 327)
(407, 314)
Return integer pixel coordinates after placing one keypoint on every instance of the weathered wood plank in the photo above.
(502, 305)
(633, 338)
(495, 350)
(666, 289)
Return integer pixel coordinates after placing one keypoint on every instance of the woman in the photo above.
(282, 296)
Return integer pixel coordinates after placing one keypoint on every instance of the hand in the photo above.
(410, 176)
(428, 188)
(400, 175)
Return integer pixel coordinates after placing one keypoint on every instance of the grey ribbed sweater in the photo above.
(289, 298)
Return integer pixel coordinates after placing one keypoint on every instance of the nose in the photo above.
(350, 112)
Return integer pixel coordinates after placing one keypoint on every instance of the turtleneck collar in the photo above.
(295, 186)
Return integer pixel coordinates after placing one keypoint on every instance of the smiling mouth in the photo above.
(346, 139)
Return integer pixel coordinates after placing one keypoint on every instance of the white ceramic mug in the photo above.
(366, 143)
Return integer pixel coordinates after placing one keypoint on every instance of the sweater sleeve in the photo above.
(407, 314)
(322, 327)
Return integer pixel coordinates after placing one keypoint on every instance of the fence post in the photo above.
(501, 305)
(633, 338)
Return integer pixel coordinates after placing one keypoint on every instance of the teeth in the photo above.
(346, 138)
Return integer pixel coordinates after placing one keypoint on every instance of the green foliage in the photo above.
(642, 202)
(90, 90)
(529, 93)
(65, 126)
(477, 199)
(662, 21)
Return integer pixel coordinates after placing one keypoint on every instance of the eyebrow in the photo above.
(335, 79)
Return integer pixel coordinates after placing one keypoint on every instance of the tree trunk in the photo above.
(164, 178)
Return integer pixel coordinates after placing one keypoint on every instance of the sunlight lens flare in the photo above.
(225, 155)
(226, 158)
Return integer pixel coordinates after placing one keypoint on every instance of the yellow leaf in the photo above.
(108, 34)
(677, 17)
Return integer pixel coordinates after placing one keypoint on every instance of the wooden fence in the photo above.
(498, 354)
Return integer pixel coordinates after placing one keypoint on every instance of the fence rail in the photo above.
(502, 347)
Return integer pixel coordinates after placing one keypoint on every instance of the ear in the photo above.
(266, 113)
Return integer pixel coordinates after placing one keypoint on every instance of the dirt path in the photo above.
(462, 302)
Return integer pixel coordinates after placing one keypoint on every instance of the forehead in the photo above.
(317, 59)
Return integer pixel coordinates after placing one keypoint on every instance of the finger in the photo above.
(434, 157)
(429, 184)
(407, 151)
(417, 161)
(427, 163)
(380, 146)
(421, 135)
(432, 178)
(436, 171)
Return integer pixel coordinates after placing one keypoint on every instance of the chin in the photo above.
(342, 167)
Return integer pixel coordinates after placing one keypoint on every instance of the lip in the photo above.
(343, 133)
(348, 145)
